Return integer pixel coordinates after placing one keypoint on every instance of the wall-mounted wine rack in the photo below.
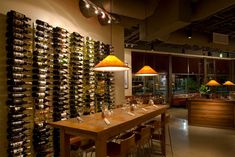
(19, 65)
(50, 78)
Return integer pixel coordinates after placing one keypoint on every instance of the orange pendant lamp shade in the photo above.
(213, 83)
(146, 71)
(228, 83)
(111, 63)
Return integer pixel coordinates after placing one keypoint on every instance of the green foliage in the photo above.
(204, 89)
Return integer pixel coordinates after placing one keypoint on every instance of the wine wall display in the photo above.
(42, 88)
(88, 77)
(76, 73)
(19, 81)
(50, 78)
(61, 80)
(109, 83)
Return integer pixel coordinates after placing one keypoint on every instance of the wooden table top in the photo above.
(120, 119)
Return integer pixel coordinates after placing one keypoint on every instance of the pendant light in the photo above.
(213, 83)
(146, 70)
(228, 83)
(111, 62)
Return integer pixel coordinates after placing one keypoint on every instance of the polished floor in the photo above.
(191, 141)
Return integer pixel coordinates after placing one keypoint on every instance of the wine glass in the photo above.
(80, 113)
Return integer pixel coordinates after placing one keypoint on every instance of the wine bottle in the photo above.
(16, 69)
(17, 22)
(18, 109)
(18, 116)
(42, 34)
(17, 75)
(18, 89)
(41, 83)
(17, 62)
(17, 42)
(40, 95)
(43, 29)
(41, 71)
(17, 82)
(18, 144)
(15, 35)
(17, 102)
(41, 46)
(42, 106)
(17, 15)
(18, 151)
(41, 76)
(13, 29)
(17, 95)
(20, 122)
(42, 23)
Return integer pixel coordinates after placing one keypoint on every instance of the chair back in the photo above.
(127, 145)
(145, 134)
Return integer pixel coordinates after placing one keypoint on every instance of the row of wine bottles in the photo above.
(18, 48)
(42, 133)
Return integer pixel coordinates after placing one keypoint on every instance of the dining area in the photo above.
(122, 131)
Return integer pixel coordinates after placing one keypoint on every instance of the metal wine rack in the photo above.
(100, 77)
(109, 99)
(61, 80)
(76, 74)
(42, 89)
(19, 81)
(88, 77)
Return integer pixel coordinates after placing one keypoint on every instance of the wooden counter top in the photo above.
(211, 100)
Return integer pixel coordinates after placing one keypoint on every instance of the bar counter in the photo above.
(218, 113)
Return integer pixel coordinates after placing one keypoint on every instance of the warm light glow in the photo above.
(213, 83)
(146, 71)
(87, 5)
(228, 83)
(111, 63)
(96, 11)
(103, 15)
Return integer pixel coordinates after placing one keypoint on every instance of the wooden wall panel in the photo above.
(212, 113)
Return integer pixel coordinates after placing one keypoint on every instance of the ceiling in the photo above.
(165, 24)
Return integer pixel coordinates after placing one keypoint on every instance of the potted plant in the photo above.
(204, 91)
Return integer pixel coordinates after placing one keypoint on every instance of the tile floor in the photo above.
(192, 141)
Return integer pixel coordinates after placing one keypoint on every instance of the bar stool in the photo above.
(126, 146)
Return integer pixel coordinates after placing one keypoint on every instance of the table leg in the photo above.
(100, 147)
(163, 137)
(64, 144)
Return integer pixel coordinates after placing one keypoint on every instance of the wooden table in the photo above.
(95, 128)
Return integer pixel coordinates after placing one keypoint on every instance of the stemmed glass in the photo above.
(80, 113)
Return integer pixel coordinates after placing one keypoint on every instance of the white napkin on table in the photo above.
(107, 121)
(132, 114)
(155, 106)
(144, 109)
